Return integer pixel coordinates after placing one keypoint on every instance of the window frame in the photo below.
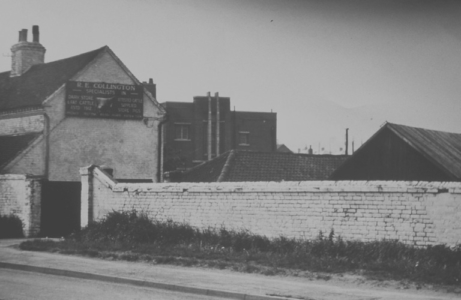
(182, 126)
(242, 134)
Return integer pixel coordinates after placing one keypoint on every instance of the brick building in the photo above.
(199, 131)
(59, 116)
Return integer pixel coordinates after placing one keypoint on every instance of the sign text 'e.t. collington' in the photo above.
(104, 100)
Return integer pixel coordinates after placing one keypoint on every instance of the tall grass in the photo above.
(171, 242)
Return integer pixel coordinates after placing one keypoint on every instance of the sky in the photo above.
(321, 65)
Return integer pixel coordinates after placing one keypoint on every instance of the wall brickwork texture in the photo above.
(20, 195)
(21, 125)
(415, 213)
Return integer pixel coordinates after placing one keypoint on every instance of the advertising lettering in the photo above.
(104, 100)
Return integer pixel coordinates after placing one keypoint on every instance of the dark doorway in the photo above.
(60, 208)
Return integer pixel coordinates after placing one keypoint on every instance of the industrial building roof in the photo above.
(239, 165)
(40, 81)
(442, 148)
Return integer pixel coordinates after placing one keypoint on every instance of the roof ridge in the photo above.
(225, 169)
(71, 57)
(420, 128)
(417, 144)
(41, 80)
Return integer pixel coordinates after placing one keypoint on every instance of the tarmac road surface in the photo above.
(20, 285)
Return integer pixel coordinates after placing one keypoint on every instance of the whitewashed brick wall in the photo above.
(20, 195)
(416, 213)
(21, 125)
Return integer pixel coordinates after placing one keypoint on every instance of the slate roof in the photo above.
(40, 81)
(442, 148)
(238, 165)
(12, 145)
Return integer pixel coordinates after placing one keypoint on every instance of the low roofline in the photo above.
(420, 151)
(360, 149)
(20, 153)
(388, 125)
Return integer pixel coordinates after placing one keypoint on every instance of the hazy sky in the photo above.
(321, 65)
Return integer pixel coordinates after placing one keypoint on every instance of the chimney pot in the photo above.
(25, 54)
(151, 81)
(35, 34)
(23, 35)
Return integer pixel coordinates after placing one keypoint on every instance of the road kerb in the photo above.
(136, 282)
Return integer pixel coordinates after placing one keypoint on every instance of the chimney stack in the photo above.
(35, 34)
(26, 54)
(23, 35)
(151, 87)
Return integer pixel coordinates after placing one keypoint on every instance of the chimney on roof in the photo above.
(26, 54)
(23, 35)
(151, 87)
(35, 34)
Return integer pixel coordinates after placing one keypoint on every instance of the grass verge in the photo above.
(134, 237)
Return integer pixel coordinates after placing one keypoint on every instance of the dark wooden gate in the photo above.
(60, 208)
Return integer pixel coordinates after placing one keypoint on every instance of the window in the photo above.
(182, 132)
(244, 138)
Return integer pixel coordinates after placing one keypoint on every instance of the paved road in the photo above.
(19, 285)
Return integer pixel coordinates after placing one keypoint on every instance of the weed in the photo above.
(132, 236)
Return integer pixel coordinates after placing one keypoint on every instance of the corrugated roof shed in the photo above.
(238, 165)
(442, 148)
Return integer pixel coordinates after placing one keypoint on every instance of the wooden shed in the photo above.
(398, 152)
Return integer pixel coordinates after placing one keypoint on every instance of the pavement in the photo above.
(220, 283)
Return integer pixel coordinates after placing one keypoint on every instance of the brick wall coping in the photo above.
(287, 186)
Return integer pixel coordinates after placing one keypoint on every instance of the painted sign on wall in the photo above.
(104, 100)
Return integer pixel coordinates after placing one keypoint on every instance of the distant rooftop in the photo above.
(239, 165)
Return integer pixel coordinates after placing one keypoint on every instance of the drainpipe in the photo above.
(209, 126)
(46, 133)
(161, 138)
(217, 123)
(47, 145)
